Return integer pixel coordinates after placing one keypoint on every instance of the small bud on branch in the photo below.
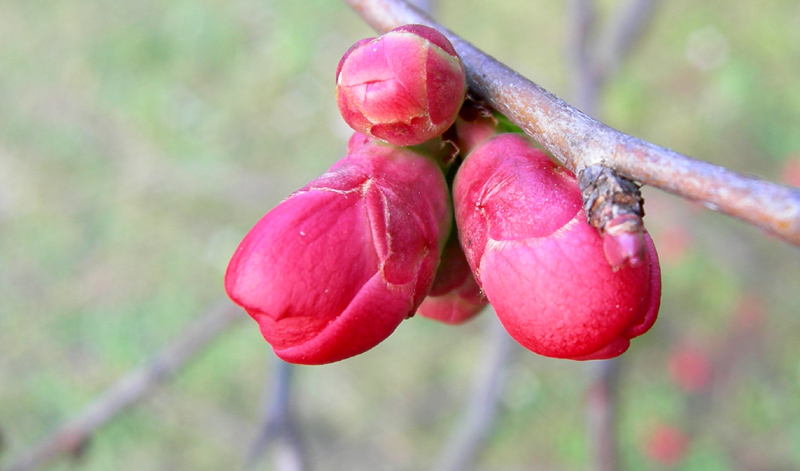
(404, 87)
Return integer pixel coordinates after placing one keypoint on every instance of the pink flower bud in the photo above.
(473, 130)
(455, 297)
(540, 263)
(332, 270)
(624, 241)
(404, 87)
(357, 140)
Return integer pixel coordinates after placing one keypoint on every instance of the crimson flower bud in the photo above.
(332, 270)
(473, 130)
(455, 296)
(624, 241)
(357, 140)
(404, 87)
(538, 260)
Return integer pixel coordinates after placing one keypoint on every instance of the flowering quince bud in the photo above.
(538, 260)
(404, 87)
(332, 270)
(478, 126)
(357, 140)
(624, 241)
(455, 296)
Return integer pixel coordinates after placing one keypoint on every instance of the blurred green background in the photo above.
(140, 140)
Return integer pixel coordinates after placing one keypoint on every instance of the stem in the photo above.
(424, 5)
(586, 81)
(578, 141)
(470, 435)
(71, 437)
(278, 425)
(602, 399)
(622, 31)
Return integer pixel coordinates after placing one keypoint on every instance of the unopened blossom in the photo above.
(336, 267)
(455, 296)
(403, 87)
(540, 263)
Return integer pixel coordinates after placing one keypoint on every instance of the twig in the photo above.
(424, 5)
(579, 141)
(585, 77)
(602, 399)
(622, 32)
(591, 70)
(279, 426)
(70, 438)
(470, 435)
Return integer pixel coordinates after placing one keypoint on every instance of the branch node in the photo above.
(614, 205)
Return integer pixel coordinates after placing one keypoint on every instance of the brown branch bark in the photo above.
(578, 141)
(71, 437)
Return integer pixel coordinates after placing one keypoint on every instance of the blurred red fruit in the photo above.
(333, 269)
(791, 172)
(404, 87)
(674, 243)
(667, 445)
(690, 368)
(749, 314)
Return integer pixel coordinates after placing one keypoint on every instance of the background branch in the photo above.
(578, 141)
(622, 32)
(584, 76)
(473, 430)
(602, 399)
(424, 5)
(278, 425)
(71, 437)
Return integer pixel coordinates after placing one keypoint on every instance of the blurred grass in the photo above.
(140, 140)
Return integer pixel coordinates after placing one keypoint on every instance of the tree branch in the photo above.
(470, 435)
(621, 33)
(278, 425)
(585, 78)
(578, 141)
(72, 436)
(602, 399)
(424, 5)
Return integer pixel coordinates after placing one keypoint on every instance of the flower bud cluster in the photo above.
(404, 224)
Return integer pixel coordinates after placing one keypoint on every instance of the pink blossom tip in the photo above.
(403, 87)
